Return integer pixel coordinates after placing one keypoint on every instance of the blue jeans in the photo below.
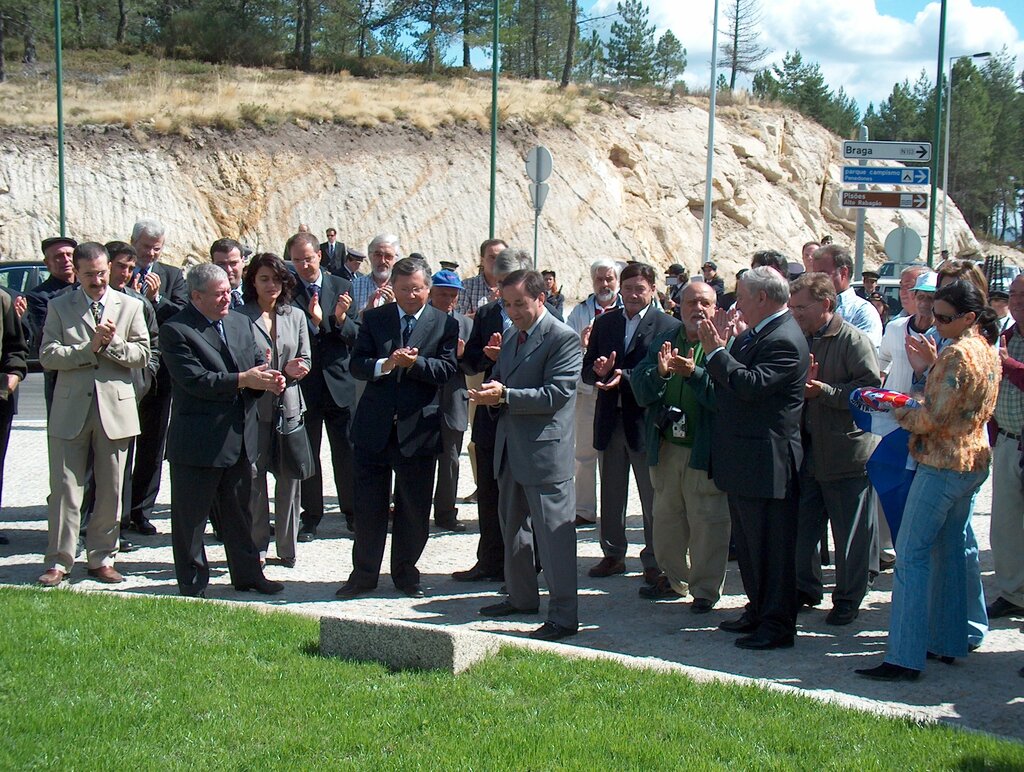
(929, 596)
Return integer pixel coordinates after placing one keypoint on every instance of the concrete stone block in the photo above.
(405, 645)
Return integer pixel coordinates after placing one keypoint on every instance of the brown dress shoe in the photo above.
(608, 567)
(51, 578)
(106, 574)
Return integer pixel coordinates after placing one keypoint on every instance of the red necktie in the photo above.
(520, 340)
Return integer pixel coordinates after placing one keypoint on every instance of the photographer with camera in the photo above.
(691, 515)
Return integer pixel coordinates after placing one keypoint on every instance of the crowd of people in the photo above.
(730, 411)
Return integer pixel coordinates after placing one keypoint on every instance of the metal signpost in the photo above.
(876, 175)
(876, 199)
(903, 245)
(538, 169)
(887, 151)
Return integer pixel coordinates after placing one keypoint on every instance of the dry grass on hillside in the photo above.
(172, 97)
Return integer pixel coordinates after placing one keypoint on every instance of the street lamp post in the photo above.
(945, 140)
(710, 172)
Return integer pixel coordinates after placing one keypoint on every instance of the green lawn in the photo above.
(94, 682)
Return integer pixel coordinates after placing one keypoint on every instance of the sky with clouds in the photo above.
(865, 46)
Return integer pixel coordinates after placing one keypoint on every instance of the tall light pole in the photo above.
(709, 173)
(495, 67)
(940, 64)
(59, 63)
(945, 139)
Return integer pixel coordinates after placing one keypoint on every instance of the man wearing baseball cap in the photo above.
(445, 287)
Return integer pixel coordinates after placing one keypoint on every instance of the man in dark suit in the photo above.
(756, 451)
(122, 268)
(164, 287)
(13, 351)
(444, 295)
(489, 325)
(533, 386)
(333, 253)
(618, 343)
(217, 369)
(329, 389)
(406, 351)
(57, 253)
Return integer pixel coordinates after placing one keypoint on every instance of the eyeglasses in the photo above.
(946, 319)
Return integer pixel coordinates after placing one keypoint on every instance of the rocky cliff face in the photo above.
(626, 184)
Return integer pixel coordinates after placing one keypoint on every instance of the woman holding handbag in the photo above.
(947, 438)
(267, 288)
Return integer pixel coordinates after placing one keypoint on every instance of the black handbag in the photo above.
(291, 455)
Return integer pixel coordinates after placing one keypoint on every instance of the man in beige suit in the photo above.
(93, 337)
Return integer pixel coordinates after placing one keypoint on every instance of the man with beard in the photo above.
(374, 289)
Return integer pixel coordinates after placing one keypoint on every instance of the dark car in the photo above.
(18, 277)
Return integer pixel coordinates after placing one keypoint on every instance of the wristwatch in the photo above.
(503, 397)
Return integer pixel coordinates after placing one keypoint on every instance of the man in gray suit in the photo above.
(533, 388)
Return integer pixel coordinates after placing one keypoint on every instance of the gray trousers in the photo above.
(616, 461)
(447, 475)
(547, 512)
(286, 504)
(846, 504)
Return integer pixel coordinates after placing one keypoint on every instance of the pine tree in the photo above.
(669, 59)
(631, 46)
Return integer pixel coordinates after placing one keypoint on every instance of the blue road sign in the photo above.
(874, 175)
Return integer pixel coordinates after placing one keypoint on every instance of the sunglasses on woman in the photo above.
(947, 319)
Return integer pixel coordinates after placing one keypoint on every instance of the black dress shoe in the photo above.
(352, 590)
(806, 599)
(1001, 607)
(842, 614)
(350, 522)
(477, 574)
(757, 642)
(306, 534)
(262, 585)
(413, 590)
(549, 631)
(286, 562)
(451, 525)
(943, 659)
(123, 545)
(701, 606)
(505, 609)
(889, 672)
(144, 527)
(582, 522)
(742, 625)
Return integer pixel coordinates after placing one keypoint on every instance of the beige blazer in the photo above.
(67, 348)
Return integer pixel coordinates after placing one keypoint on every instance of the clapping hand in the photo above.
(493, 347)
(296, 369)
(605, 366)
(341, 307)
(489, 393)
(710, 338)
(104, 334)
(670, 363)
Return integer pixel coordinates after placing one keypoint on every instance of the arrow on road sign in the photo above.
(879, 175)
(891, 151)
(873, 199)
